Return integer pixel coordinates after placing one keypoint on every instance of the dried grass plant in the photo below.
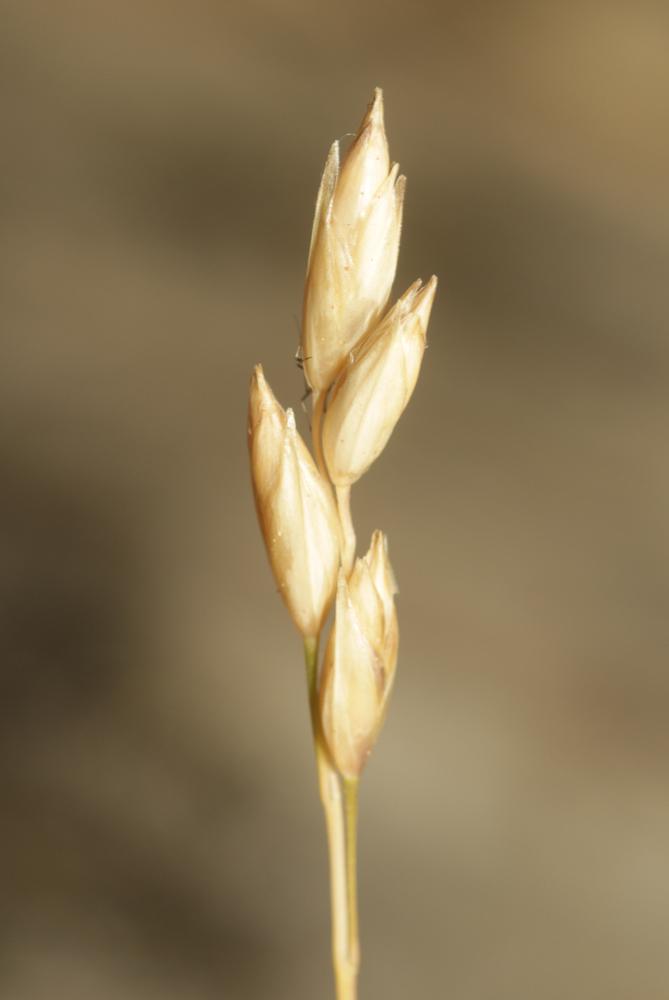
(361, 364)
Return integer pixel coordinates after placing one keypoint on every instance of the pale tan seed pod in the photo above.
(354, 247)
(296, 511)
(373, 390)
(360, 660)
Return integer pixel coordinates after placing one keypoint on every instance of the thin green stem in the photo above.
(344, 919)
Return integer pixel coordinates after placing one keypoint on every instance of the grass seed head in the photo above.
(354, 247)
(360, 659)
(374, 388)
(296, 511)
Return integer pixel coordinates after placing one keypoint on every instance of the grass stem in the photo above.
(347, 529)
(340, 821)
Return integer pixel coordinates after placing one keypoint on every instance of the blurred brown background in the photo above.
(160, 834)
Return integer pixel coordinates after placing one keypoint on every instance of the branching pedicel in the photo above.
(362, 367)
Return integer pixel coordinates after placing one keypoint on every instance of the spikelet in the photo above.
(295, 509)
(373, 390)
(360, 659)
(354, 247)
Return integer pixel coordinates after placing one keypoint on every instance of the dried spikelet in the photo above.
(295, 509)
(360, 659)
(354, 247)
(375, 387)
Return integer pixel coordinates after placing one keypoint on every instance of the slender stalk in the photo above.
(347, 529)
(345, 951)
(351, 816)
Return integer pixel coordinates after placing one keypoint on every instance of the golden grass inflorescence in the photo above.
(361, 362)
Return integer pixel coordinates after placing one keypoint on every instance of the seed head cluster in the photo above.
(361, 361)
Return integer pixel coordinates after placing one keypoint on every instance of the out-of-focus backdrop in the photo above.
(160, 834)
